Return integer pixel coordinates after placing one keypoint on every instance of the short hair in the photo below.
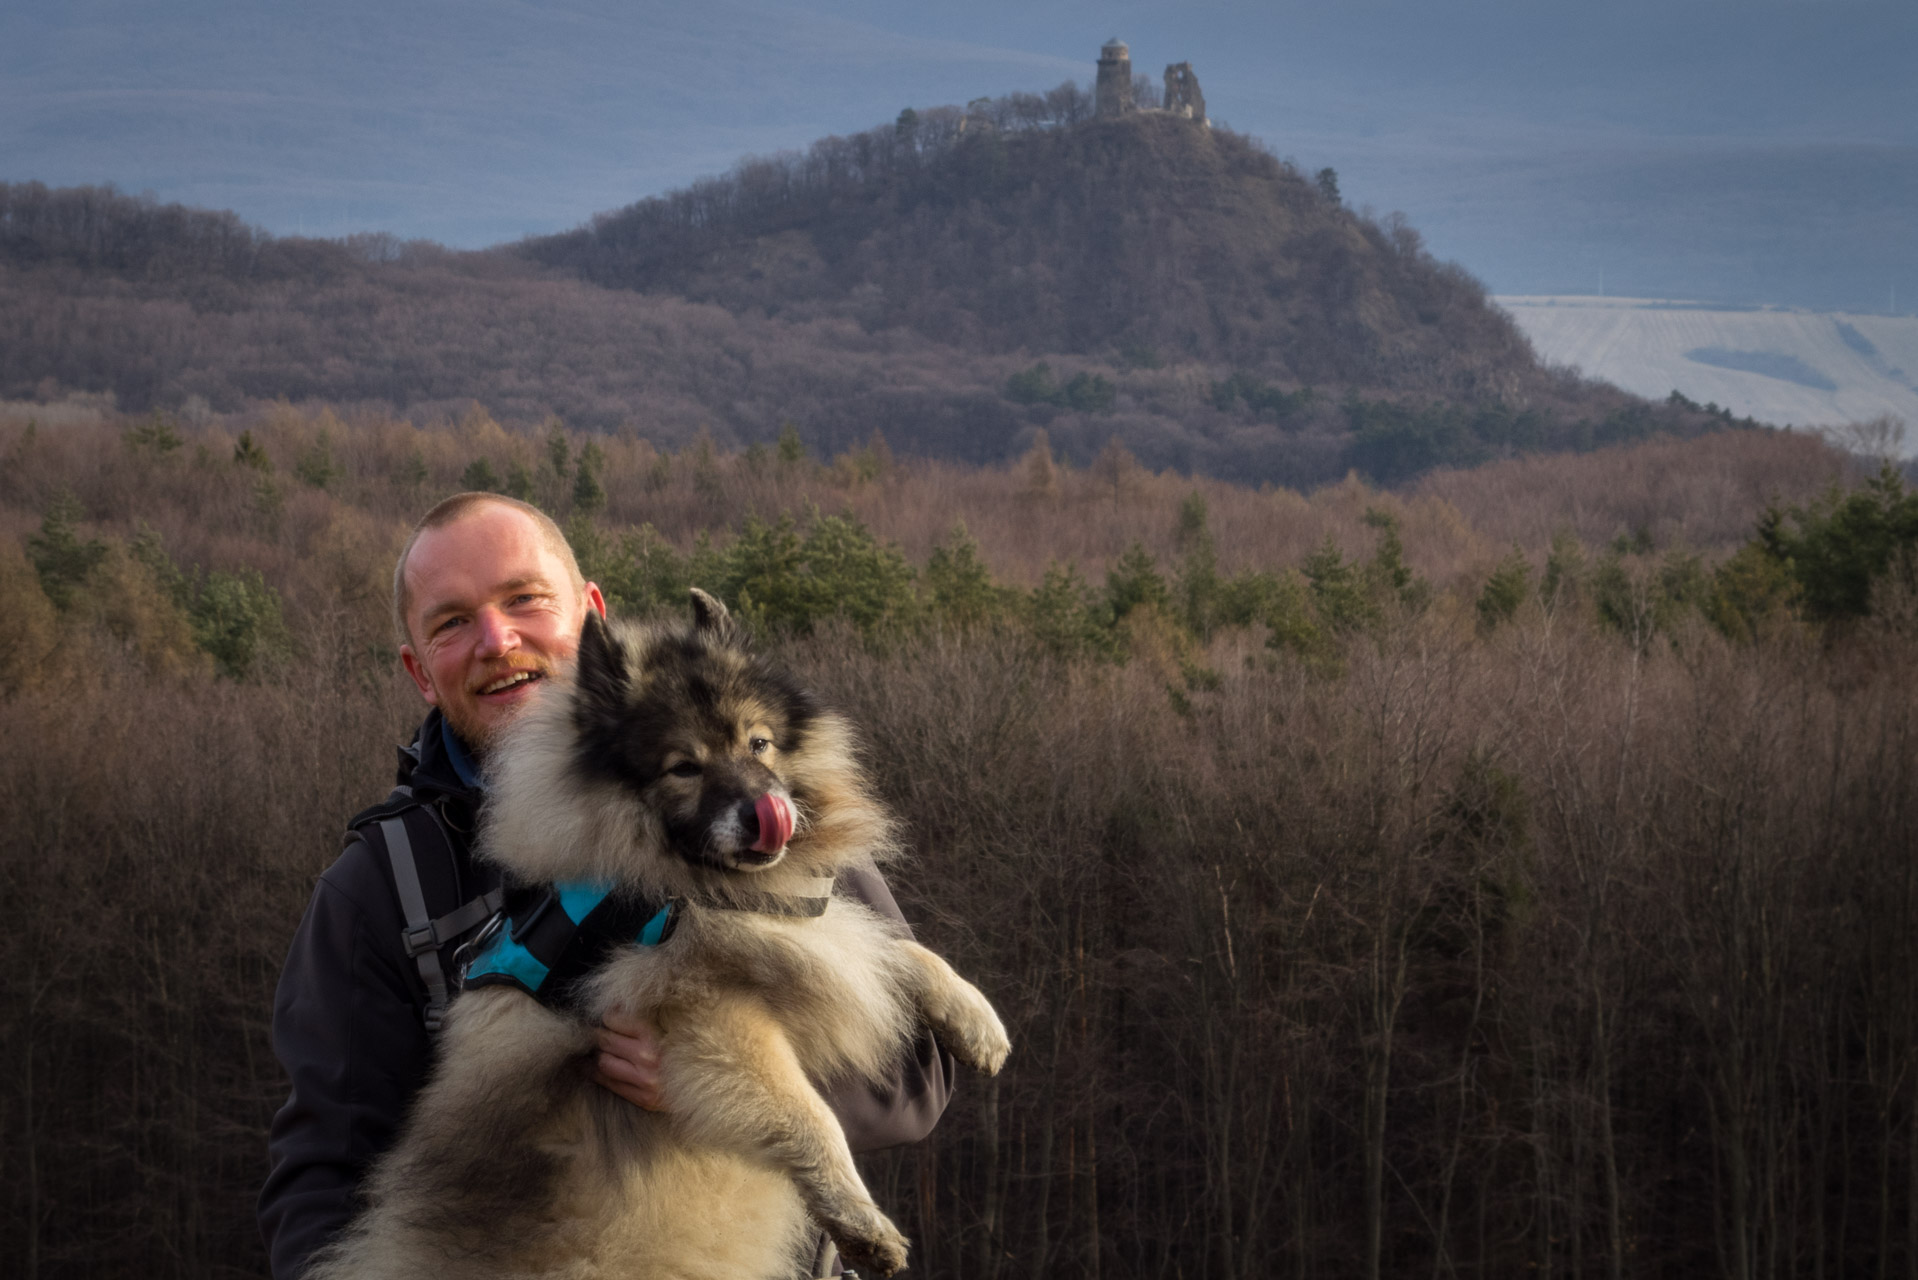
(457, 507)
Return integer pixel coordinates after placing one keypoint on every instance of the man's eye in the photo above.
(760, 746)
(685, 769)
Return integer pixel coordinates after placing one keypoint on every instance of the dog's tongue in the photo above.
(775, 816)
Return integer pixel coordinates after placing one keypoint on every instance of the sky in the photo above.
(1740, 151)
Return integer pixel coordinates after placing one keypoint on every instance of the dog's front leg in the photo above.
(732, 1079)
(960, 1015)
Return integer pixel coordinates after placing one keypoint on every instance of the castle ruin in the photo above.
(1112, 95)
(1182, 96)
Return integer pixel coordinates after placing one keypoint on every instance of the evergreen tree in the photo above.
(1504, 591)
(248, 453)
(792, 450)
(960, 584)
(479, 477)
(589, 495)
(316, 466)
(1134, 582)
(63, 561)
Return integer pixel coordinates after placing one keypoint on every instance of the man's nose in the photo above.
(498, 635)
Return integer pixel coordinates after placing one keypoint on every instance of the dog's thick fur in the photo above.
(644, 772)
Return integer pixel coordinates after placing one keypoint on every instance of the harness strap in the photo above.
(555, 936)
(434, 934)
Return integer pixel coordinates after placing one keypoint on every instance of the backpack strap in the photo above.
(423, 935)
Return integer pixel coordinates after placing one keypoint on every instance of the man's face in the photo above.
(492, 614)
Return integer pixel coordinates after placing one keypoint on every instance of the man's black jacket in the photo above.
(348, 1027)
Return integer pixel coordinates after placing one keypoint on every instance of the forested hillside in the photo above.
(1508, 874)
(1019, 226)
(957, 280)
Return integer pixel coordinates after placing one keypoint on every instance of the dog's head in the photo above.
(679, 759)
(698, 730)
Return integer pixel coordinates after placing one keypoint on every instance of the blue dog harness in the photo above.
(548, 937)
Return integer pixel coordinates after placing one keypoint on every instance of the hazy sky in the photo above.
(1738, 150)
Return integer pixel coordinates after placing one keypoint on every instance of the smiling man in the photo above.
(488, 601)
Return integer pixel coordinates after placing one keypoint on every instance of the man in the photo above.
(489, 603)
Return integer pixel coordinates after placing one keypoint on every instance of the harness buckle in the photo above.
(420, 939)
(468, 951)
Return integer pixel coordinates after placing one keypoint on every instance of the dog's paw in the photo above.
(977, 1036)
(986, 1047)
(870, 1242)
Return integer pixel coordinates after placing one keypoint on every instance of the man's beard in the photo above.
(479, 737)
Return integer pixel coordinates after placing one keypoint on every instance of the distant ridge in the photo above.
(957, 281)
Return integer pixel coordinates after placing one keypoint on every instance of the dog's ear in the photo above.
(712, 620)
(602, 676)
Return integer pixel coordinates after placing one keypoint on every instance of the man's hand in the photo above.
(629, 1059)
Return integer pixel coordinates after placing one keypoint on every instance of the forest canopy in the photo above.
(1374, 881)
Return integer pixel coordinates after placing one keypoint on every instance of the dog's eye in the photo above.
(685, 769)
(761, 746)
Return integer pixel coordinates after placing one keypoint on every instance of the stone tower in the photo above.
(1113, 96)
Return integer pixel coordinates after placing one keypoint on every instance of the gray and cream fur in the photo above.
(514, 1163)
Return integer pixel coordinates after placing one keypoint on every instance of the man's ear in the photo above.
(417, 669)
(712, 620)
(602, 675)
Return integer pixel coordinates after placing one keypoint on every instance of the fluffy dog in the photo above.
(673, 770)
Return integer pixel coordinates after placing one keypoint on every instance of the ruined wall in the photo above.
(1182, 96)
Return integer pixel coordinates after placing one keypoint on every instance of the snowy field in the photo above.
(1802, 368)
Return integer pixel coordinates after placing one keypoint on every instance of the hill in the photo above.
(957, 281)
(1019, 227)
